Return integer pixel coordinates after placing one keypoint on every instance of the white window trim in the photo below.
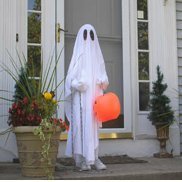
(127, 63)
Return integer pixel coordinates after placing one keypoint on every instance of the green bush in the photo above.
(161, 112)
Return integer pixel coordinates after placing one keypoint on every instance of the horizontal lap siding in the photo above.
(7, 44)
(179, 44)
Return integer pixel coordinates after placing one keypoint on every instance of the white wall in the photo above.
(164, 52)
(8, 150)
(132, 148)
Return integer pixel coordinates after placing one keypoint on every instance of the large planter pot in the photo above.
(162, 136)
(29, 149)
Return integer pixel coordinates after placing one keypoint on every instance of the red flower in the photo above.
(34, 105)
(66, 126)
(14, 106)
(31, 112)
(10, 110)
(38, 119)
(18, 111)
(25, 100)
(55, 121)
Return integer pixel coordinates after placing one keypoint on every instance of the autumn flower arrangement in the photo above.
(34, 102)
(30, 112)
(34, 97)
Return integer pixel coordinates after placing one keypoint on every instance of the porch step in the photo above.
(153, 169)
(152, 176)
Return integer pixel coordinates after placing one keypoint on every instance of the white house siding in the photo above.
(179, 46)
(7, 44)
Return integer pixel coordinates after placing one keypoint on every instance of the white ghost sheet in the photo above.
(86, 78)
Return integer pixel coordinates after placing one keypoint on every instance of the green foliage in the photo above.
(22, 79)
(26, 84)
(19, 95)
(34, 103)
(45, 131)
(161, 112)
(45, 136)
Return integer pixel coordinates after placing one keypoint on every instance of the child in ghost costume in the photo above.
(86, 79)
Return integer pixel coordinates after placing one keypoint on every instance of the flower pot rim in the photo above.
(162, 124)
(24, 129)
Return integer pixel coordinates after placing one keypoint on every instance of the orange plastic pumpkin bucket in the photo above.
(107, 107)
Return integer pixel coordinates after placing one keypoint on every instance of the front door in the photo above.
(105, 16)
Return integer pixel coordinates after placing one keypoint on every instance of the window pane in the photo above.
(34, 5)
(143, 35)
(143, 65)
(142, 9)
(34, 60)
(34, 28)
(143, 96)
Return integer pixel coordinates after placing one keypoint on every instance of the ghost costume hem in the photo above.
(86, 79)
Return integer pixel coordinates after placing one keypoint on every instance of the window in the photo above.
(34, 36)
(143, 54)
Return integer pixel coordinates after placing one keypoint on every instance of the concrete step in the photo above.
(154, 169)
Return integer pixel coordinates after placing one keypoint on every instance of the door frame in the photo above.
(128, 14)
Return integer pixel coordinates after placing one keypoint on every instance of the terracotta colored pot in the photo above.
(29, 149)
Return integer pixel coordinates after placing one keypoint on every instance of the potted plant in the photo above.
(161, 114)
(32, 117)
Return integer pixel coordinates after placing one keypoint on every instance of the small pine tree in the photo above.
(161, 112)
(19, 94)
(28, 84)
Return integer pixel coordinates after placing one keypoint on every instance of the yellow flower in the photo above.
(47, 95)
(54, 101)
